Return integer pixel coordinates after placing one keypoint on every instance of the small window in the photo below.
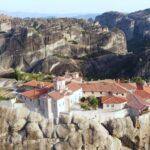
(107, 105)
(92, 92)
(110, 93)
(101, 92)
(116, 93)
(122, 94)
(112, 105)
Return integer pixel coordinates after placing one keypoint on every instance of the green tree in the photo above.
(94, 102)
(138, 80)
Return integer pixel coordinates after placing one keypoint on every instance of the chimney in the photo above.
(139, 86)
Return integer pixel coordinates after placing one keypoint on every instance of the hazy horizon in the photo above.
(67, 7)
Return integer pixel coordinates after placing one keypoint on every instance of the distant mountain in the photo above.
(86, 16)
(136, 27)
(46, 15)
(28, 14)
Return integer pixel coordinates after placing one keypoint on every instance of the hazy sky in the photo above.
(72, 6)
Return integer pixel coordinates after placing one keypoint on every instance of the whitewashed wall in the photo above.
(60, 85)
(100, 94)
(75, 97)
(101, 116)
(113, 107)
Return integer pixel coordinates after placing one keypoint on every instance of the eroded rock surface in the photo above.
(73, 133)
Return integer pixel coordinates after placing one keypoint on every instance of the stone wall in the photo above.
(101, 115)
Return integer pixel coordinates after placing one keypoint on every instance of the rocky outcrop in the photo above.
(131, 135)
(134, 24)
(136, 27)
(59, 45)
(73, 133)
(119, 20)
(118, 66)
(32, 40)
(33, 131)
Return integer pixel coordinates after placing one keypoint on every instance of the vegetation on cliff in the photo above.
(24, 76)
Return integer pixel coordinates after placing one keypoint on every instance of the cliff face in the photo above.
(136, 27)
(60, 45)
(143, 65)
(132, 24)
(30, 130)
(32, 40)
(120, 20)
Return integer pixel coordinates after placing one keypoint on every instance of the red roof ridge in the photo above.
(34, 83)
(142, 94)
(114, 100)
(35, 93)
(136, 102)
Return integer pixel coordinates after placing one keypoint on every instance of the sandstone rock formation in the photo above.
(132, 24)
(31, 40)
(136, 27)
(59, 45)
(74, 134)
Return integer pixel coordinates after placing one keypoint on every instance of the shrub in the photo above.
(24, 76)
(83, 99)
(2, 98)
(94, 102)
(85, 107)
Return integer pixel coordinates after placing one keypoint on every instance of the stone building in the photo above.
(51, 99)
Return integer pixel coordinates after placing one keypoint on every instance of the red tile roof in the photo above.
(113, 100)
(142, 94)
(128, 86)
(73, 86)
(102, 87)
(147, 89)
(34, 94)
(35, 83)
(56, 95)
(136, 103)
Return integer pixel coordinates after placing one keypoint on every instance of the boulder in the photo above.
(33, 131)
(35, 117)
(95, 135)
(113, 143)
(46, 127)
(120, 127)
(23, 113)
(3, 127)
(72, 128)
(65, 119)
(18, 125)
(63, 146)
(16, 138)
(62, 131)
(75, 141)
(81, 122)
(23, 134)
(84, 125)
